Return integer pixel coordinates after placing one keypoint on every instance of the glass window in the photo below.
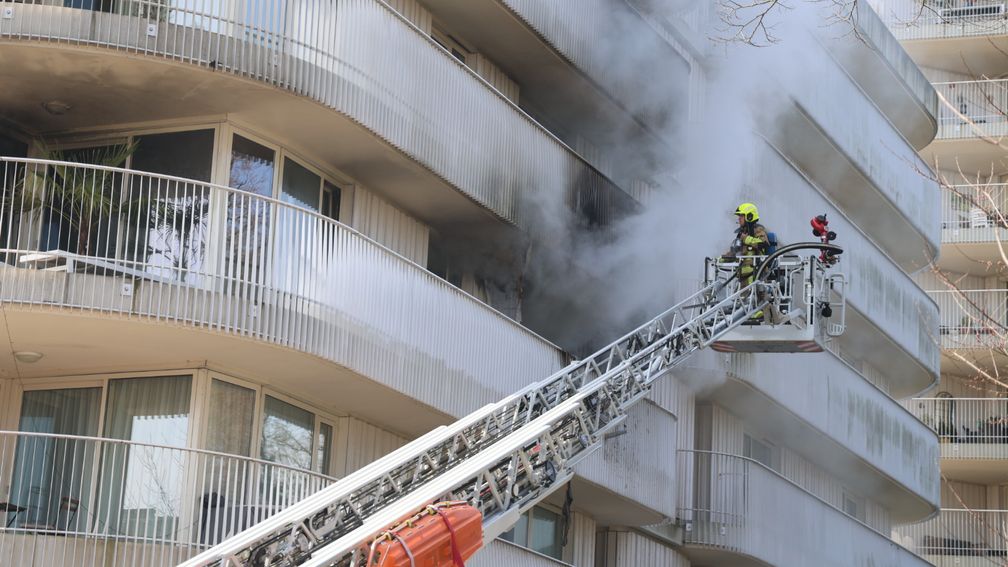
(252, 167)
(180, 154)
(539, 530)
(170, 239)
(544, 533)
(757, 451)
(51, 476)
(300, 186)
(10, 174)
(323, 451)
(331, 196)
(287, 434)
(231, 419)
(248, 218)
(140, 494)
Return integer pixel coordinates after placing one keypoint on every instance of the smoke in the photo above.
(591, 284)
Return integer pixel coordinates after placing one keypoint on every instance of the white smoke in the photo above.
(591, 285)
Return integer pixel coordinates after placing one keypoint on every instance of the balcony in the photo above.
(97, 502)
(383, 85)
(959, 538)
(973, 434)
(970, 215)
(973, 109)
(89, 253)
(943, 19)
(973, 319)
(742, 513)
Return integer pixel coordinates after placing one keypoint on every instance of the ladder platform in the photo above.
(770, 338)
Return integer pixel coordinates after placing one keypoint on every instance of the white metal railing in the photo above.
(966, 421)
(358, 57)
(973, 213)
(959, 533)
(179, 251)
(742, 506)
(931, 19)
(970, 109)
(972, 319)
(94, 502)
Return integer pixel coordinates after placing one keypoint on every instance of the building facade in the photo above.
(960, 48)
(250, 247)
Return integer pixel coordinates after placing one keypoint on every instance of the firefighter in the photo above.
(751, 239)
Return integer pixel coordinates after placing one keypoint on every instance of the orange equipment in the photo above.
(442, 535)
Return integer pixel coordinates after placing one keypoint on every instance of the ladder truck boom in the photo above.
(506, 456)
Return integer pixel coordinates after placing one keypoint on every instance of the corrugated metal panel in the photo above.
(641, 465)
(499, 553)
(391, 227)
(623, 548)
(496, 77)
(582, 540)
(413, 12)
(726, 432)
(359, 443)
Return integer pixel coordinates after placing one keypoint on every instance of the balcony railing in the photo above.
(358, 57)
(93, 502)
(972, 109)
(179, 251)
(972, 319)
(741, 506)
(955, 535)
(932, 19)
(969, 428)
(972, 213)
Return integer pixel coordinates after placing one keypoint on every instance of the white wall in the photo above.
(394, 229)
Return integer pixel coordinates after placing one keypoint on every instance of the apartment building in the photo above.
(249, 248)
(959, 47)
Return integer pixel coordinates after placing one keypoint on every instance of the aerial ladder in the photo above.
(464, 484)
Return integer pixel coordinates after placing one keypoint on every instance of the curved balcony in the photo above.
(887, 74)
(844, 145)
(973, 109)
(942, 19)
(959, 538)
(743, 513)
(97, 502)
(123, 247)
(837, 419)
(970, 216)
(891, 322)
(358, 58)
(973, 434)
(973, 319)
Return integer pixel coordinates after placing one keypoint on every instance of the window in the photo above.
(853, 506)
(331, 196)
(451, 44)
(231, 419)
(323, 448)
(141, 485)
(758, 451)
(248, 219)
(171, 238)
(9, 214)
(287, 434)
(540, 530)
(47, 469)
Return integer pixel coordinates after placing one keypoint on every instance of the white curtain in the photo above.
(141, 490)
(49, 471)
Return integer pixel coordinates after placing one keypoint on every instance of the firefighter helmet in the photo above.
(749, 211)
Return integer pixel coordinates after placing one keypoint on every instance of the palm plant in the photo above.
(81, 198)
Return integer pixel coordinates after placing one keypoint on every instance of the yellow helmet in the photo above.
(749, 211)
